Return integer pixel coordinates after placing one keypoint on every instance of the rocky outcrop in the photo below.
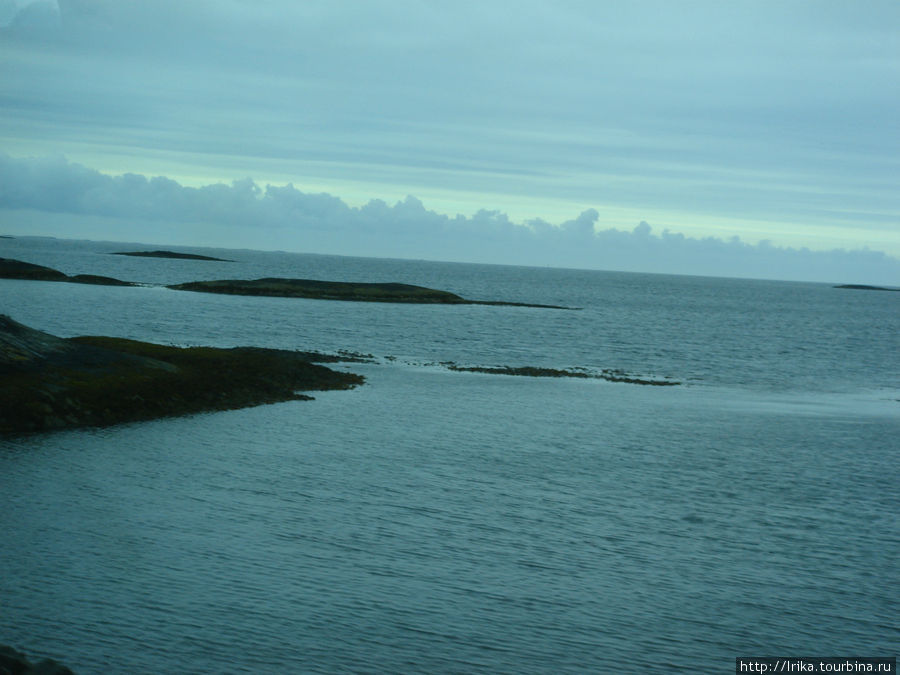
(171, 254)
(532, 371)
(323, 290)
(339, 290)
(17, 269)
(14, 662)
(99, 280)
(866, 287)
(48, 382)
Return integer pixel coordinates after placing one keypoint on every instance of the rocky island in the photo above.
(340, 290)
(47, 382)
(171, 254)
(16, 269)
(272, 287)
(866, 287)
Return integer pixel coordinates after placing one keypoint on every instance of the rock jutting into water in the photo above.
(340, 290)
(17, 269)
(531, 371)
(866, 287)
(170, 254)
(47, 382)
(15, 662)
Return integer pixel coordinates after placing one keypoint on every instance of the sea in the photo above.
(438, 521)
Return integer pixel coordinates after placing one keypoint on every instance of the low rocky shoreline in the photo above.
(47, 382)
(14, 662)
(532, 371)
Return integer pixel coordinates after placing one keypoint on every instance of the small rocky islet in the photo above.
(171, 254)
(341, 290)
(865, 287)
(47, 382)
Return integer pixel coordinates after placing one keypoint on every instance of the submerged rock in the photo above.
(532, 371)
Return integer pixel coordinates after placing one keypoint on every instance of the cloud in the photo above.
(769, 112)
(244, 214)
(29, 18)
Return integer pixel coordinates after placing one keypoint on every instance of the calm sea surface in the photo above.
(439, 521)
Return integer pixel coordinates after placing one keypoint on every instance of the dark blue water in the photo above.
(436, 521)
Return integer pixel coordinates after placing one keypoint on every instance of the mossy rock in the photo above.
(52, 383)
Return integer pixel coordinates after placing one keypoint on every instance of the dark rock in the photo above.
(171, 254)
(865, 287)
(99, 280)
(14, 662)
(21, 346)
(531, 371)
(339, 290)
(51, 383)
(17, 269)
(49, 667)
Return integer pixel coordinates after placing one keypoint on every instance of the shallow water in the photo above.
(436, 521)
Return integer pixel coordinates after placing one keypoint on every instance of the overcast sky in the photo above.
(626, 135)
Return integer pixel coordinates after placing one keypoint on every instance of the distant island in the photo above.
(272, 287)
(865, 287)
(47, 382)
(16, 269)
(340, 290)
(171, 254)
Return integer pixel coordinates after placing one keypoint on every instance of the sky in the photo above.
(746, 138)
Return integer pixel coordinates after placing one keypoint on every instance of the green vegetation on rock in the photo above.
(50, 383)
(323, 290)
(339, 290)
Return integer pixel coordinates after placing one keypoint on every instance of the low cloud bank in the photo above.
(244, 214)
